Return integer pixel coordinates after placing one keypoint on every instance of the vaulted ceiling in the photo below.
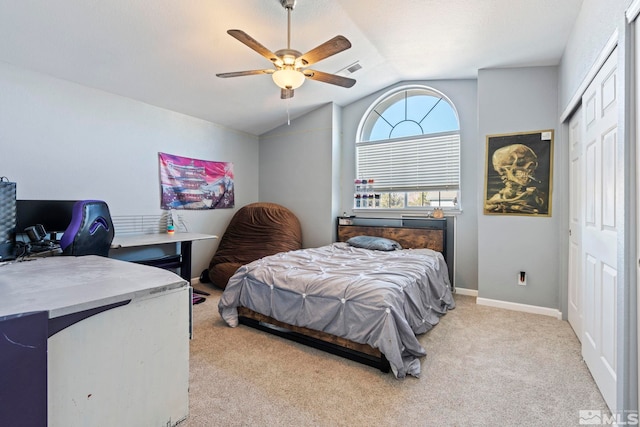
(166, 53)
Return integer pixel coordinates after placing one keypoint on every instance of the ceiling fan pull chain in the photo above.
(288, 114)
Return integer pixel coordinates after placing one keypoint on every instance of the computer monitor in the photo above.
(54, 215)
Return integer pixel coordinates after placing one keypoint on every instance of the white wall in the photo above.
(297, 170)
(462, 94)
(518, 100)
(60, 140)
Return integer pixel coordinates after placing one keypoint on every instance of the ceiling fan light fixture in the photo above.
(288, 78)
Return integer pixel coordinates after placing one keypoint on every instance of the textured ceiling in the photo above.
(166, 53)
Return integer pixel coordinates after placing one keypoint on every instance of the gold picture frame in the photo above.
(518, 174)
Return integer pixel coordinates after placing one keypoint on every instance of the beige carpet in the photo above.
(485, 367)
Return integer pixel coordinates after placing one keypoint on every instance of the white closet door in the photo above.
(599, 231)
(637, 105)
(575, 290)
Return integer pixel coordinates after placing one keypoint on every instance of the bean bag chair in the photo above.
(255, 231)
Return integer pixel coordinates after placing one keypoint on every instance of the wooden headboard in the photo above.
(407, 237)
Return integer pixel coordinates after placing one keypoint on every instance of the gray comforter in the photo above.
(378, 298)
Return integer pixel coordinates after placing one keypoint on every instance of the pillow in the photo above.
(374, 243)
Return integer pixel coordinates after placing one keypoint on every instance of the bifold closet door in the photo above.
(600, 228)
(576, 190)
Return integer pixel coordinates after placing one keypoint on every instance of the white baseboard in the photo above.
(465, 291)
(545, 311)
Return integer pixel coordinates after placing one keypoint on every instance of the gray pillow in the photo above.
(374, 243)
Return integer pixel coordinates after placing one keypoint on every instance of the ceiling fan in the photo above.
(290, 69)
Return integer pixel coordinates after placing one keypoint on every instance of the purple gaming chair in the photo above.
(90, 231)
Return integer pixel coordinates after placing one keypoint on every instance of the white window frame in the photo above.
(438, 185)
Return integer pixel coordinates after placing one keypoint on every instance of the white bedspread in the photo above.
(379, 298)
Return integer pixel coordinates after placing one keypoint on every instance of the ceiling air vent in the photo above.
(350, 69)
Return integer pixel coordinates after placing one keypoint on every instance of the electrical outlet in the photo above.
(522, 278)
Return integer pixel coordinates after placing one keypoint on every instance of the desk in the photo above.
(184, 239)
(115, 349)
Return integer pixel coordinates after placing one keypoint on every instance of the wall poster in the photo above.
(187, 183)
(518, 174)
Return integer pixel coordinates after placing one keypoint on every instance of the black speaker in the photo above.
(7, 219)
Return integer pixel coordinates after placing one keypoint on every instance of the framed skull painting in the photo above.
(518, 174)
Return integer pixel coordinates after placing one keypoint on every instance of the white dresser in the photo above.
(117, 347)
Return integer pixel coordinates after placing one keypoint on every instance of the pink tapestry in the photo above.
(195, 184)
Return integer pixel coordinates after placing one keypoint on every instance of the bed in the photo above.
(364, 304)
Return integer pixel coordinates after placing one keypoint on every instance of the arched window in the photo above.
(408, 152)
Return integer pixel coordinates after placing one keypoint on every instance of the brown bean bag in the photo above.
(255, 231)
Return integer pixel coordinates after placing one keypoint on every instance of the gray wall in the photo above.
(65, 141)
(517, 100)
(297, 171)
(596, 23)
(462, 94)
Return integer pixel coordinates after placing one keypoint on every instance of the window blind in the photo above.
(430, 163)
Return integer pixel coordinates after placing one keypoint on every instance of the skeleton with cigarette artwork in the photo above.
(516, 164)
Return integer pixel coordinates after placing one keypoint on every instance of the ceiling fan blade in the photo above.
(286, 93)
(253, 44)
(329, 78)
(245, 73)
(325, 50)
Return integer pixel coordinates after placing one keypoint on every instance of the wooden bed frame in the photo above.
(363, 353)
